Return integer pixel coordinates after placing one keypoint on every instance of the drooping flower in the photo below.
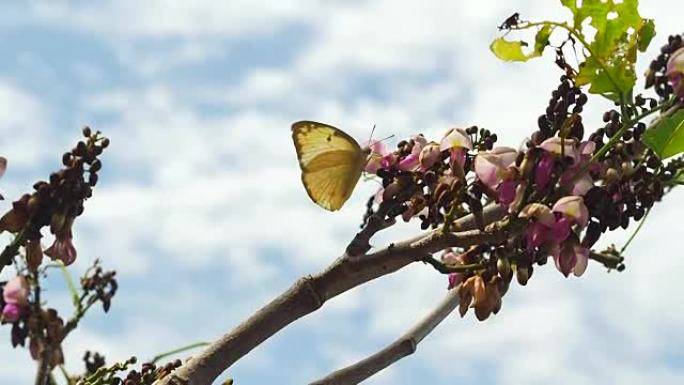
(675, 72)
(11, 312)
(571, 258)
(455, 138)
(15, 295)
(542, 174)
(458, 142)
(16, 291)
(63, 249)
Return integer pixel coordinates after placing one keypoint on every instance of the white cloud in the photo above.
(221, 191)
(163, 18)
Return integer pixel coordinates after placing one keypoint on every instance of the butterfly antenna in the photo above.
(371, 134)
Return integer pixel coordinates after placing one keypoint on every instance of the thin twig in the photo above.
(178, 350)
(402, 347)
(308, 294)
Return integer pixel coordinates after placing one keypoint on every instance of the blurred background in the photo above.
(201, 211)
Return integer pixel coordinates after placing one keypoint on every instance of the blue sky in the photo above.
(201, 211)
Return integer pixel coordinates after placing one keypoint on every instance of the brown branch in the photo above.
(402, 347)
(12, 249)
(311, 292)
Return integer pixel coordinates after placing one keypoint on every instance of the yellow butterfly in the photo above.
(331, 162)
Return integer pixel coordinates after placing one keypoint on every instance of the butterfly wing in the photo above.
(331, 162)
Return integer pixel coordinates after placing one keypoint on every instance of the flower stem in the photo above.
(179, 350)
(631, 237)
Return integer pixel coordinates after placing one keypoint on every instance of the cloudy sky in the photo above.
(200, 208)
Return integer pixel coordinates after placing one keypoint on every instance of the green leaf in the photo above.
(679, 178)
(611, 54)
(667, 138)
(508, 50)
(646, 34)
(541, 39)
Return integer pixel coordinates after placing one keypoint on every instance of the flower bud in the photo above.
(429, 155)
(504, 268)
(522, 274)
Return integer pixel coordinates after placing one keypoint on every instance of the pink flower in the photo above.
(540, 213)
(11, 312)
(581, 155)
(412, 160)
(542, 174)
(573, 208)
(455, 138)
(558, 146)
(62, 249)
(15, 295)
(491, 166)
(675, 72)
(571, 258)
(455, 279)
(377, 154)
(507, 191)
(16, 291)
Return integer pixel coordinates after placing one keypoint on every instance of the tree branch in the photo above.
(310, 293)
(402, 347)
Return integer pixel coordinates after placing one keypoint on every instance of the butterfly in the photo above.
(331, 162)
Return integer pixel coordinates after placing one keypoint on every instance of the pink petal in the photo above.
(455, 279)
(11, 312)
(565, 260)
(486, 169)
(409, 163)
(507, 191)
(506, 156)
(458, 156)
(536, 235)
(455, 138)
(16, 291)
(542, 174)
(561, 229)
(582, 255)
(573, 207)
(557, 146)
(539, 212)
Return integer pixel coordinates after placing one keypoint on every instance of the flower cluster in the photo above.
(56, 203)
(666, 72)
(119, 373)
(560, 192)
